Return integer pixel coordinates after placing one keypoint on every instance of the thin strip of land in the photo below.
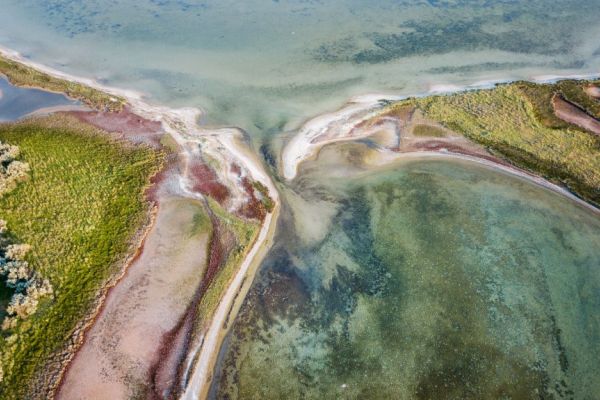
(20, 74)
(225, 171)
(516, 123)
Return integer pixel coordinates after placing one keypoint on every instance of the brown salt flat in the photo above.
(574, 115)
(121, 347)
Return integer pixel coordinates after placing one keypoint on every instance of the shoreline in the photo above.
(361, 103)
(181, 125)
(224, 145)
(15, 56)
(506, 168)
(301, 147)
(206, 354)
(389, 159)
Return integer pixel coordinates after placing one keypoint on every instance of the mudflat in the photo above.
(121, 347)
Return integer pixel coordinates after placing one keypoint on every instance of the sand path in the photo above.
(199, 381)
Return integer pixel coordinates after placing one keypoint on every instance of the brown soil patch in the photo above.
(205, 181)
(593, 91)
(572, 114)
(253, 208)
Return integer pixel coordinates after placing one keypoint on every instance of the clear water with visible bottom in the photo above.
(266, 66)
(434, 280)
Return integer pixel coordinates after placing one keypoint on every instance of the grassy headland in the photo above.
(22, 75)
(80, 210)
(517, 122)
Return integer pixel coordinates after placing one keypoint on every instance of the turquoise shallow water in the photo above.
(266, 66)
(437, 280)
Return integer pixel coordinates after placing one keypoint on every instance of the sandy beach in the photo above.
(121, 350)
(341, 125)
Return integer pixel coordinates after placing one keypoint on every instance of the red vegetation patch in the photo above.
(156, 182)
(205, 181)
(124, 122)
(370, 123)
(216, 255)
(441, 146)
(168, 369)
(253, 208)
(366, 123)
(165, 371)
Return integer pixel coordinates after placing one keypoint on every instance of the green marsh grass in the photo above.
(245, 234)
(423, 130)
(516, 122)
(80, 210)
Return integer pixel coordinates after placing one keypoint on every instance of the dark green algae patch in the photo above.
(438, 280)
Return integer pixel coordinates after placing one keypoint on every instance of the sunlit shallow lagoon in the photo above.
(435, 280)
(432, 280)
(266, 66)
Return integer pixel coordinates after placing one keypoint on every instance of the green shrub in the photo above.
(423, 130)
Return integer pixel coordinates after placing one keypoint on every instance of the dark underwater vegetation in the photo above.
(438, 280)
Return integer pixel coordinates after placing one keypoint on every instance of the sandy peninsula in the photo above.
(141, 336)
(124, 348)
